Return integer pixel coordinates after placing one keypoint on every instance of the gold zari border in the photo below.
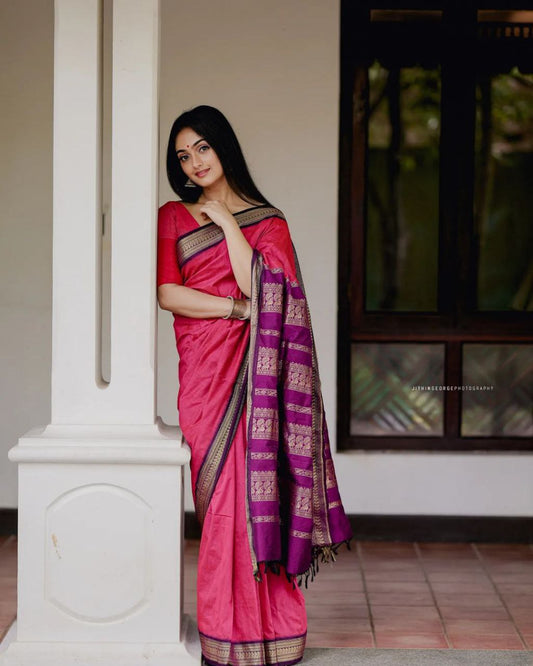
(257, 653)
(211, 234)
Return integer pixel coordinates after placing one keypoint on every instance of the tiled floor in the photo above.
(405, 595)
(392, 595)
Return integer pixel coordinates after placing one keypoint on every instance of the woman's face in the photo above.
(198, 160)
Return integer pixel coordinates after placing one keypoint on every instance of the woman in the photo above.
(249, 402)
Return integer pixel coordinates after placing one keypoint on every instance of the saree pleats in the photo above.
(242, 622)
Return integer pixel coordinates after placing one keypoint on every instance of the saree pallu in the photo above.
(241, 622)
(294, 510)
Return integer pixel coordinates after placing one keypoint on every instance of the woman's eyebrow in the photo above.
(182, 150)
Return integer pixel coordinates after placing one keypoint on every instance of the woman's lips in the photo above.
(201, 174)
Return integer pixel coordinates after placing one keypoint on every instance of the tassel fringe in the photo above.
(321, 554)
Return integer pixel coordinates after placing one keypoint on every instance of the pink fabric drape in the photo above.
(241, 622)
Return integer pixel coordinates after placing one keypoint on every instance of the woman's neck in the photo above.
(222, 192)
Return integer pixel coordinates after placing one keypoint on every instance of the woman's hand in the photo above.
(219, 213)
(240, 252)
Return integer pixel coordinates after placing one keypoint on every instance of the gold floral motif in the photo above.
(331, 481)
(297, 347)
(299, 438)
(332, 505)
(296, 312)
(299, 535)
(299, 409)
(264, 423)
(267, 361)
(265, 391)
(272, 297)
(264, 412)
(263, 455)
(265, 429)
(302, 503)
(264, 486)
(265, 519)
(299, 377)
(303, 472)
(269, 331)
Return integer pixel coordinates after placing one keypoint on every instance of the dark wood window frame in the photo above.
(456, 321)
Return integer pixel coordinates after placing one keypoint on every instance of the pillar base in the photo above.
(100, 559)
(105, 654)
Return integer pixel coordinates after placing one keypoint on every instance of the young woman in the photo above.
(249, 402)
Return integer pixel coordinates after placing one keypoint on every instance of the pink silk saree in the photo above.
(250, 409)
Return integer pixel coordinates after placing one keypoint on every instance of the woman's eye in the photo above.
(203, 148)
(182, 158)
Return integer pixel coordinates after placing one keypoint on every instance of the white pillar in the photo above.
(100, 488)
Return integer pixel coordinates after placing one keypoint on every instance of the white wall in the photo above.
(272, 67)
(26, 70)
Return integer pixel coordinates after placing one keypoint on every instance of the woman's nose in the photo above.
(196, 160)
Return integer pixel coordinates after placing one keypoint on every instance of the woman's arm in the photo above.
(196, 304)
(240, 252)
(240, 256)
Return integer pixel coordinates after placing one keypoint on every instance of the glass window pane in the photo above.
(506, 409)
(385, 399)
(504, 196)
(402, 188)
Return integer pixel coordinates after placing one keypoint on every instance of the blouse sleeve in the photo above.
(168, 271)
(275, 245)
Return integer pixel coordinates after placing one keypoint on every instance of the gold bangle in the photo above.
(230, 313)
(239, 309)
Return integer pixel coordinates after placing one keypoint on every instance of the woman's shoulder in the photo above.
(273, 212)
(171, 207)
(174, 219)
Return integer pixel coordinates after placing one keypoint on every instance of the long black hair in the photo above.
(213, 126)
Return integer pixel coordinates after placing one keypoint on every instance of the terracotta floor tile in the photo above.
(504, 550)
(524, 626)
(415, 575)
(453, 576)
(465, 587)
(408, 625)
(339, 599)
(387, 556)
(333, 613)
(415, 612)
(394, 565)
(518, 600)
(523, 614)
(467, 557)
(513, 578)
(462, 566)
(450, 612)
(340, 639)
(354, 625)
(400, 598)
(485, 642)
(485, 627)
(395, 639)
(397, 587)
(468, 600)
(507, 567)
(446, 547)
